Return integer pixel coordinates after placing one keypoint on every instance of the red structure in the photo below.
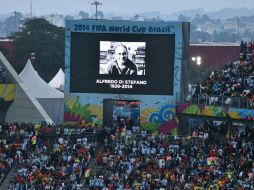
(214, 55)
(8, 46)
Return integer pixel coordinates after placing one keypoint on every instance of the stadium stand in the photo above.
(45, 157)
(233, 85)
(211, 156)
(163, 162)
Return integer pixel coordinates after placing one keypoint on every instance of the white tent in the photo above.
(51, 99)
(58, 80)
(39, 87)
(25, 107)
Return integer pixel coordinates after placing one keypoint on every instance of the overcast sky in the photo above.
(117, 6)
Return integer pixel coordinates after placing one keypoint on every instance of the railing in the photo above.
(231, 102)
(54, 134)
(140, 136)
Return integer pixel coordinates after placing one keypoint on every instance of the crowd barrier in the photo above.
(234, 102)
(128, 136)
(54, 134)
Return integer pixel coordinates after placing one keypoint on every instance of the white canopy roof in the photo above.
(58, 80)
(37, 85)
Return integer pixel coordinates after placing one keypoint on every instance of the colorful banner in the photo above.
(7, 92)
(214, 111)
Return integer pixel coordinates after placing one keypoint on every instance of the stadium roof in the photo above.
(215, 44)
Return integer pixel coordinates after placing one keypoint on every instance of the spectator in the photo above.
(234, 81)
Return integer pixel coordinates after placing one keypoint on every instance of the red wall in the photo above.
(214, 56)
(8, 45)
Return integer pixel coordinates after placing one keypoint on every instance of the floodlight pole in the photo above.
(32, 57)
(31, 8)
(96, 3)
(15, 21)
(198, 61)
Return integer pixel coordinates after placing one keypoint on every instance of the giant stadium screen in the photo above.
(120, 63)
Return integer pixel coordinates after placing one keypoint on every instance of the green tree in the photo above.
(43, 39)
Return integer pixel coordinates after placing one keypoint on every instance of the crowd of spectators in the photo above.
(207, 158)
(39, 161)
(235, 80)
(163, 162)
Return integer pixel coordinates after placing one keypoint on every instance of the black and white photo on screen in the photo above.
(122, 58)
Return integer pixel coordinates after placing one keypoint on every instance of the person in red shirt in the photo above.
(127, 185)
